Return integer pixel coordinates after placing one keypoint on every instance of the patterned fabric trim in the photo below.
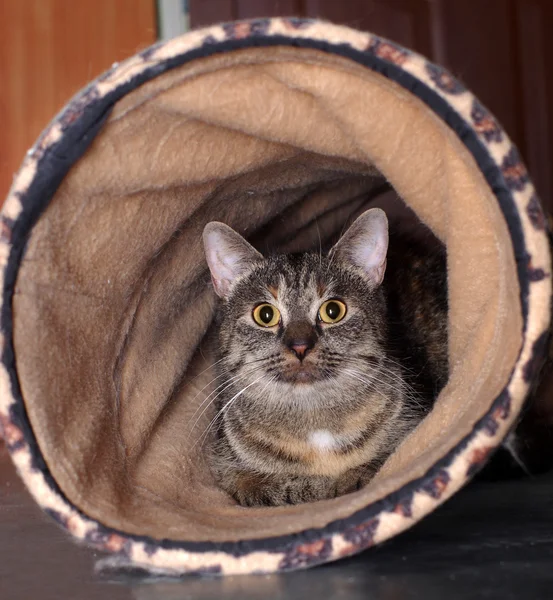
(63, 142)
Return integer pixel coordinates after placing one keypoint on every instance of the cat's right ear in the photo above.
(228, 256)
(365, 244)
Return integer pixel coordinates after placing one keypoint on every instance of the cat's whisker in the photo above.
(223, 374)
(403, 388)
(330, 260)
(397, 384)
(225, 385)
(386, 373)
(208, 368)
(390, 376)
(392, 361)
(385, 377)
(208, 384)
(366, 382)
(320, 245)
(231, 402)
(361, 362)
(227, 404)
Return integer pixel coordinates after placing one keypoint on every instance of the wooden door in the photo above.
(49, 49)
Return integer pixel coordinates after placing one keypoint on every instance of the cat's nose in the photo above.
(300, 348)
(300, 337)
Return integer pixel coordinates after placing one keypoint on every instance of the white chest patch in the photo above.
(323, 440)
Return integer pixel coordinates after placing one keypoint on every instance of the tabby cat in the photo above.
(325, 364)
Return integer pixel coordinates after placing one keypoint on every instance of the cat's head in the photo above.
(300, 321)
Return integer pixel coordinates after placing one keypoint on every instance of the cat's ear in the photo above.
(228, 255)
(365, 244)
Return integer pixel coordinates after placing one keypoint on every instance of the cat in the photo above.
(325, 361)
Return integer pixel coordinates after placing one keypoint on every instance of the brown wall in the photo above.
(49, 49)
(501, 49)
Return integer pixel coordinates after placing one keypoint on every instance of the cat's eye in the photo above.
(332, 311)
(266, 315)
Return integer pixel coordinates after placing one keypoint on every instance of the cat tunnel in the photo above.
(283, 129)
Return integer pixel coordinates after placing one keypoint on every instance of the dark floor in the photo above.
(493, 540)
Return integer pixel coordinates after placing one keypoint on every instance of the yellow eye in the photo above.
(332, 311)
(266, 315)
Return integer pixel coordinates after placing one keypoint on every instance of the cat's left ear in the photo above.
(228, 256)
(364, 245)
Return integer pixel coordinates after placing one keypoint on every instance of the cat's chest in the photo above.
(324, 441)
(326, 452)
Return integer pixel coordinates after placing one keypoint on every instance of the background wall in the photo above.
(49, 49)
(501, 49)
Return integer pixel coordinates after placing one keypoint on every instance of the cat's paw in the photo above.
(249, 488)
(354, 480)
(252, 489)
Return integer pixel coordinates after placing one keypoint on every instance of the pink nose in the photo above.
(300, 350)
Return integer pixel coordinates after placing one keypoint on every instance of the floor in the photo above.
(493, 540)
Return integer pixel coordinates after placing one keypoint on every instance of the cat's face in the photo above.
(300, 325)
(301, 319)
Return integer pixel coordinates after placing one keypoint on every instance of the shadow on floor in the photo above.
(492, 540)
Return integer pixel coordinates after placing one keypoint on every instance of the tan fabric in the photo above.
(113, 300)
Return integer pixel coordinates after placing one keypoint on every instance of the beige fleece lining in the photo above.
(113, 298)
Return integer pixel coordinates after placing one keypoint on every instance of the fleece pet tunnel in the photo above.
(283, 129)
